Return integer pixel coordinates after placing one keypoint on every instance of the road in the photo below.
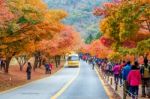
(69, 83)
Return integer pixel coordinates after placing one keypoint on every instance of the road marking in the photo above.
(105, 88)
(3, 92)
(62, 90)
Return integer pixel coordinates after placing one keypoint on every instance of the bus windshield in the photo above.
(73, 58)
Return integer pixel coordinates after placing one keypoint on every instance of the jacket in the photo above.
(28, 70)
(116, 69)
(134, 78)
(50, 66)
(125, 71)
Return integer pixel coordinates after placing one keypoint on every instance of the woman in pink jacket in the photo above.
(116, 70)
(134, 80)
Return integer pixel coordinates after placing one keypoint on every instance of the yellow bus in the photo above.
(73, 60)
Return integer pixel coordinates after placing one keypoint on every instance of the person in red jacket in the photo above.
(50, 67)
(134, 80)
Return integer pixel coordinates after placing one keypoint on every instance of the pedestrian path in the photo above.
(119, 90)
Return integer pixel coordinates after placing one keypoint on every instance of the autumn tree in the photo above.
(15, 38)
(125, 22)
(66, 41)
(32, 22)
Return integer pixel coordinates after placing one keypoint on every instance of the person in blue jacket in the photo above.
(125, 72)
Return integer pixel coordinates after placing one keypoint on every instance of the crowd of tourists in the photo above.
(126, 74)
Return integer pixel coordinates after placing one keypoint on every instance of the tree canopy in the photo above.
(26, 24)
(125, 23)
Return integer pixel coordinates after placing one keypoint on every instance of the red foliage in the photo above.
(67, 40)
(5, 13)
(96, 48)
(129, 44)
(108, 5)
(98, 11)
(117, 1)
(106, 41)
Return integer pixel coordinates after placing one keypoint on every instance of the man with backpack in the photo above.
(145, 72)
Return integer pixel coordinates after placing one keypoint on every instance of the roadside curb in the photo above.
(109, 90)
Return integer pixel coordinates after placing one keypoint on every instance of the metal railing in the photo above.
(108, 78)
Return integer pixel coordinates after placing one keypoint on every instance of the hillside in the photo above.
(80, 14)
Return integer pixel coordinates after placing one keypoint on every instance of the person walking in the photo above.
(125, 72)
(134, 80)
(120, 74)
(47, 69)
(3, 65)
(145, 72)
(116, 71)
(50, 68)
(110, 68)
(28, 71)
(93, 64)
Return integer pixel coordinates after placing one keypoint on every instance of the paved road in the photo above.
(85, 86)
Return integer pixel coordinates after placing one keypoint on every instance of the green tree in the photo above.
(98, 35)
(89, 39)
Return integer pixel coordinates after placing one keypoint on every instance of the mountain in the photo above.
(80, 14)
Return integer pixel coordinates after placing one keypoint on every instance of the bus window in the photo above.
(73, 58)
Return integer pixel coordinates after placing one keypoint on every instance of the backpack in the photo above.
(146, 72)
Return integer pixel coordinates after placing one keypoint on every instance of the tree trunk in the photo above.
(21, 67)
(8, 58)
(64, 57)
(40, 62)
(56, 62)
(22, 60)
(35, 63)
(59, 57)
